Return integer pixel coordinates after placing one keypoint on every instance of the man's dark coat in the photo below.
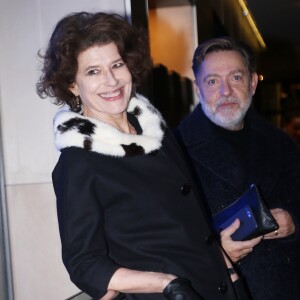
(272, 161)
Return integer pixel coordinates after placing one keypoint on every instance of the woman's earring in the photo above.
(77, 104)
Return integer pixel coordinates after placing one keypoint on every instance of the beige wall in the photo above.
(29, 154)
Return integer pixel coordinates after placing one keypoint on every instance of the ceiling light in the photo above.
(246, 13)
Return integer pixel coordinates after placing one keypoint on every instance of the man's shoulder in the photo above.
(262, 126)
(191, 117)
(193, 126)
(268, 135)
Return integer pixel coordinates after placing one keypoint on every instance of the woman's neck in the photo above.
(119, 121)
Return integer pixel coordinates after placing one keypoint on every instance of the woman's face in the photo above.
(103, 82)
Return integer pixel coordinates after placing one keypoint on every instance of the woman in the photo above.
(129, 217)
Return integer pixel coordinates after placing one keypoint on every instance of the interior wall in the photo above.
(173, 38)
(28, 150)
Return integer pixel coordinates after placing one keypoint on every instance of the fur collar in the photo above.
(74, 130)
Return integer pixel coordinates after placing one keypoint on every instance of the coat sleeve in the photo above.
(281, 187)
(289, 186)
(81, 224)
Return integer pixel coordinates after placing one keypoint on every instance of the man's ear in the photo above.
(196, 88)
(254, 81)
(74, 89)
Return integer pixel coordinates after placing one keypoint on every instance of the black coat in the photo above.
(268, 158)
(140, 213)
(136, 211)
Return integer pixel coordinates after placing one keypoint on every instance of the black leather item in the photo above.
(264, 220)
(180, 289)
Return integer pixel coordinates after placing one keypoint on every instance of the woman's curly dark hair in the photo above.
(77, 32)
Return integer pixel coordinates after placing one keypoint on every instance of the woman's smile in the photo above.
(112, 96)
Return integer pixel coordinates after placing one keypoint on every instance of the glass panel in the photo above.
(6, 291)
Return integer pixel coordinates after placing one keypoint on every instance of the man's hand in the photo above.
(285, 222)
(237, 250)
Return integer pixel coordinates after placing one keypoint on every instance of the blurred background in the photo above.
(269, 27)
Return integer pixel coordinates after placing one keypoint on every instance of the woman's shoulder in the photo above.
(75, 157)
(74, 153)
(74, 161)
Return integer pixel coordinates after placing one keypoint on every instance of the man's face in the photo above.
(225, 88)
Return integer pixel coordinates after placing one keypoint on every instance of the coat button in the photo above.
(223, 287)
(185, 189)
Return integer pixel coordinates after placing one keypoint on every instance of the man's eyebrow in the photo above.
(210, 75)
(237, 71)
(218, 75)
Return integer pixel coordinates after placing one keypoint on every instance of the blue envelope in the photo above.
(256, 219)
(247, 224)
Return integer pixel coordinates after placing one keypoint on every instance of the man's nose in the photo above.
(225, 88)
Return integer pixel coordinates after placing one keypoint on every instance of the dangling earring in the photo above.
(77, 104)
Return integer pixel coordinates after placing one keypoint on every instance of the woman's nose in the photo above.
(110, 78)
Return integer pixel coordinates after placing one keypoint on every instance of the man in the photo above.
(231, 147)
